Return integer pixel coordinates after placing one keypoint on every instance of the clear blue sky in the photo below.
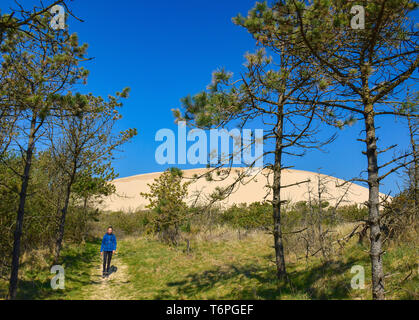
(165, 50)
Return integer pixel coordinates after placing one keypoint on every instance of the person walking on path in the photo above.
(107, 248)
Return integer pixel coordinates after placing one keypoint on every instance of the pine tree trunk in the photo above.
(374, 204)
(85, 230)
(412, 131)
(14, 276)
(61, 227)
(277, 230)
(320, 220)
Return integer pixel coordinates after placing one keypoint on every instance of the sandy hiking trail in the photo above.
(112, 287)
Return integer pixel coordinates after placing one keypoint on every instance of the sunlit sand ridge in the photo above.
(253, 189)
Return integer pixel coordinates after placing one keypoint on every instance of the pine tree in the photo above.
(167, 196)
(83, 144)
(268, 93)
(38, 71)
(367, 67)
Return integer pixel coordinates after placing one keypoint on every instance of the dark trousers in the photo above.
(107, 257)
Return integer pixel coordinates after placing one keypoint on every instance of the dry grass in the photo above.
(220, 265)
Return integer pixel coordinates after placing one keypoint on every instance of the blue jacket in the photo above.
(108, 243)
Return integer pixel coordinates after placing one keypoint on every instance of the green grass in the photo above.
(244, 270)
(228, 269)
(212, 271)
(35, 283)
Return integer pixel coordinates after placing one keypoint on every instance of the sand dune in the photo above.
(253, 189)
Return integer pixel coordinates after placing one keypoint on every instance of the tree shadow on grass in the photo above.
(325, 281)
(244, 282)
(76, 265)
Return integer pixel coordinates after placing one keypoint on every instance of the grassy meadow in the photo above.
(220, 265)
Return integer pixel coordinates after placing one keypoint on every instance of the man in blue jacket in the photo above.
(107, 249)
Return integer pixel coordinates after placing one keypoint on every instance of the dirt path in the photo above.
(111, 288)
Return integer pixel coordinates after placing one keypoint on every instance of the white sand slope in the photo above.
(254, 189)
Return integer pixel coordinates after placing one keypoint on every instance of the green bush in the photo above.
(167, 196)
(257, 215)
(352, 213)
(125, 223)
